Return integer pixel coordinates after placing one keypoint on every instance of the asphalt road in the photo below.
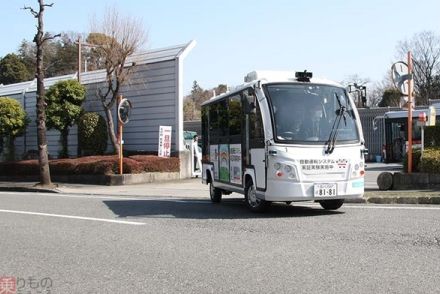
(110, 244)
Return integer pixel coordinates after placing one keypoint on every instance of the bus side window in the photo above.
(235, 115)
(223, 118)
(214, 129)
(205, 133)
(256, 131)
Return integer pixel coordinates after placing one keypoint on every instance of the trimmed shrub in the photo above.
(92, 165)
(151, 163)
(432, 136)
(430, 162)
(64, 100)
(13, 122)
(415, 161)
(92, 134)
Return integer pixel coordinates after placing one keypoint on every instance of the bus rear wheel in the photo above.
(332, 204)
(215, 193)
(252, 202)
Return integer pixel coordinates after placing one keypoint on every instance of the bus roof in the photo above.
(268, 76)
(271, 76)
(415, 112)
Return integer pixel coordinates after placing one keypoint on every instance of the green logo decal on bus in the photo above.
(358, 184)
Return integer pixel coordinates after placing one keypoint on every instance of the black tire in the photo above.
(331, 204)
(252, 202)
(215, 193)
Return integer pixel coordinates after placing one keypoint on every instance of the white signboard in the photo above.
(213, 156)
(235, 163)
(164, 141)
(431, 116)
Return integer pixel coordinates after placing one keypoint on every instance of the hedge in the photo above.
(92, 134)
(430, 162)
(432, 136)
(415, 161)
(92, 165)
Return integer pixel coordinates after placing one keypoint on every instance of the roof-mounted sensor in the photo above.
(303, 76)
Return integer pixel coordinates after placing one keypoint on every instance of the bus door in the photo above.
(254, 137)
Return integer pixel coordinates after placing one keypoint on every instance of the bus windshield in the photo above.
(311, 114)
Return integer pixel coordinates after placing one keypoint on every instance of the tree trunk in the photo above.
(64, 143)
(111, 130)
(43, 158)
(11, 148)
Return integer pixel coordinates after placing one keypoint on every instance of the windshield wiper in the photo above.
(331, 142)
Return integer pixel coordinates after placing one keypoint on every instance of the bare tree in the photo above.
(425, 49)
(355, 79)
(124, 35)
(39, 39)
(377, 90)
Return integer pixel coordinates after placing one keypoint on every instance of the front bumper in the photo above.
(302, 191)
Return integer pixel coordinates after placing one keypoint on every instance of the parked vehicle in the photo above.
(396, 131)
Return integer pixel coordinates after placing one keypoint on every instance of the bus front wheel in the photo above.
(215, 193)
(331, 204)
(252, 202)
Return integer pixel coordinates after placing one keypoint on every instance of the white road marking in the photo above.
(100, 196)
(87, 196)
(73, 217)
(376, 206)
(97, 196)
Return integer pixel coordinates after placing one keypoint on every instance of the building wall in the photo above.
(153, 94)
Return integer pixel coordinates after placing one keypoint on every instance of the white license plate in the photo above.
(325, 190)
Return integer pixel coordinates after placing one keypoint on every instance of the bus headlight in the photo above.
(292, 175)
(284, 171)
(357, 170)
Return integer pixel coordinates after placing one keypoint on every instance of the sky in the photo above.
(334, 39)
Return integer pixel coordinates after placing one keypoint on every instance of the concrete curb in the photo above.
(129, 179)
(106, 180)
(28, 189)
(404, 200)
(402, 197)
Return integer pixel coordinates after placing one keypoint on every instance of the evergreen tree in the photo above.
(64, 100)
(13, 70)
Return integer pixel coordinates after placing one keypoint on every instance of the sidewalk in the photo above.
(193, 188)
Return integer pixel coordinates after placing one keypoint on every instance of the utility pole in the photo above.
(410, 106)
(79, 59)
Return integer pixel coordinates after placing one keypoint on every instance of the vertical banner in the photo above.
(164, 141)
(224, 162)
(235, 163)
(213, 157)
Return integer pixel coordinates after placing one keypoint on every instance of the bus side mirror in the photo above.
(249, 107)
(250, 100)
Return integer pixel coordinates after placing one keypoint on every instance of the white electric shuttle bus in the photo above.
(283, 136)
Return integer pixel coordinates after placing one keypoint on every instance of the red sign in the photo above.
(8, 285)
(164, 141)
